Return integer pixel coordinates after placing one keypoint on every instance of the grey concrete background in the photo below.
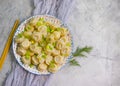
(95, 23)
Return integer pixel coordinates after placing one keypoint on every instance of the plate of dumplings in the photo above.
(42, 44)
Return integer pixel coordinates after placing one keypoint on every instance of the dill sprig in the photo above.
(74, 62)
(81, 53)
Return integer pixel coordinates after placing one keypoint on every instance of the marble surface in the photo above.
(93, 22)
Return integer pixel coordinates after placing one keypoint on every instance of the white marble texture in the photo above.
(93, 22)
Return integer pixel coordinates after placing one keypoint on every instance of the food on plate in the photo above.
(43, 45)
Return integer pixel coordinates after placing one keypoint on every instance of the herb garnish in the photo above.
(81, 53)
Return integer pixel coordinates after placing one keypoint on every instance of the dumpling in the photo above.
(37, 36)
(64, 39)
(49, 48)
(30, 53)
(27, 34)
(59, 59)
(52, 26)
(29, 28)
(52, 37)
(42, 67)
(53, 68)
(36, 49)
(26, 60)
(56, 35)
(63, 31)
(42, 28)
(48, 59)
(35, 60)
(19, 38)
(41, 60)
(21, 51)
(60, 44)
(55, 52)
(65, 51)
(25, 44)
(33, 46)
(34, 21)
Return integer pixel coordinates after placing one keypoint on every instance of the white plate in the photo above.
(49, 18)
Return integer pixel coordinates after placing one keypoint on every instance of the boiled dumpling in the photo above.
(49, 48)
(41, 60)
(64, 31)
(65, 51)
(26, 60)
(19, 38)
(27, 34)
(25, 44)
(21, 51)
(37, 36)
(34, 21)
(29, 28)
(32, 47)
(48, 59)
(59, 59)
(64, 39)
(42, 67)
(52, 37)
(60, 44)
(56, 35)
(55, 52)
(53, 68)
(35, 60)
(30, 53)
(42, 28)
(36, 49)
